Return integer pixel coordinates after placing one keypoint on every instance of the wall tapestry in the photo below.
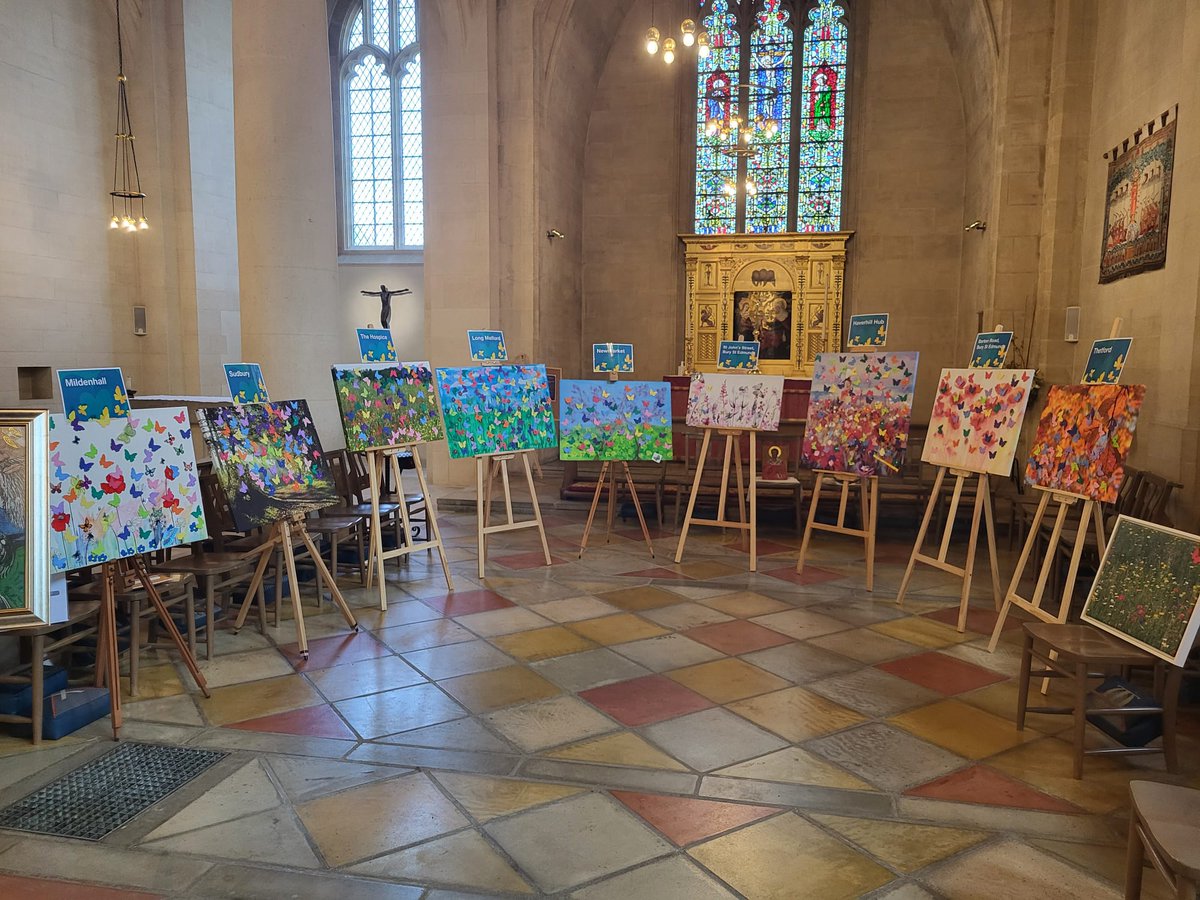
(735, 401)
(1147, 588)
(1137, 206)
(615, 420)
(386, 405)
(268, 460)
(976, 420)
(859, 412)
(1083, 438)
(496, 409)
(24, 516)
(122, 488)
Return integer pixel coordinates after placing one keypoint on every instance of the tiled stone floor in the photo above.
(612, 727)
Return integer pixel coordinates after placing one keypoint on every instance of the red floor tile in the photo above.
(646, 700)
(737, 637)
(980, 784)
(463, 603)
(657, 572)
(810, 575)
(685, 820)
(533, 560)
(981, 621)
(941, 673)
(14, 887)
(312, 721)
(334, 651)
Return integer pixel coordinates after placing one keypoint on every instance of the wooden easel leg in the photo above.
(741, 483)
(812, 517)
(431, 516)
(587, 528)
(508, 510)
(1076, 556)
(168, 624)
(334, 591)
(537, 510)
(964, 599)
(255, 589)
(1014, 583)
(724, 480)
(990, 524)
(870, 517)
(612, 502)
(687, 519)
(404, 519)
(376, 564)
(934, 495)
(480, 504)
(638, 508)
(951, 516)
(108, 666)
(289, 558)
(753, 501)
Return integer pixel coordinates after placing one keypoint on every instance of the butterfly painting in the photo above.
(122, 490)
(859, 412)
(750, 402)
(496, 409)
(615, 420)
(976, 420)
(268, 460)
(1083, 438)
(387, 405)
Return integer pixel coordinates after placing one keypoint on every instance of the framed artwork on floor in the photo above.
(24, 519)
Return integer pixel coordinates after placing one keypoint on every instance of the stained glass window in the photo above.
(770, 122)
(382, 190)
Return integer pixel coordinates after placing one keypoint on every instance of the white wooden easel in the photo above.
(751, 525)
(282, 539)
(868, 501)
(375, 460)
(608, 470)
(498, 462)
(981, 510)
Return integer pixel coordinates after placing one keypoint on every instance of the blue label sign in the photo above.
(1107, 361)
(375, 345)
(991, 349)
(738, 355)
(93, 394)
(246, 383)
(487, 346)
(612, 357)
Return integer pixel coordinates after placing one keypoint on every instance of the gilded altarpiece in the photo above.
(783, 290)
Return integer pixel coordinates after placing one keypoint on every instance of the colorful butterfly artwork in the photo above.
(496, 409)
(114, 496)
(615, 420)
(387, 405)
(751, 402)
(268, 460)
(859, 412)
(976, 420)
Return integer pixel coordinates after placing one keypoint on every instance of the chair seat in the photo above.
(1078, 642)
(206, 564)
(333, 524)
(1171, 815)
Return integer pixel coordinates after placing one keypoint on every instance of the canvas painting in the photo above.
(1083, 438)
(387, 405)
(751, 402)
(24, 512)
(1147, 589)
(622, 420)
(976, 420)
(122, 488)
(268, 460)
(496, 409)
(1137, 206)
(859, 412)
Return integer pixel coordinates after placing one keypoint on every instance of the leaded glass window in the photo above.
(770, 122)
(382, 172)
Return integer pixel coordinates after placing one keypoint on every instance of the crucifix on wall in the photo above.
(385, 302)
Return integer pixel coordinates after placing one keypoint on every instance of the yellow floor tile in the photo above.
(796, 714)
(901, 845)
(795, 766)
(239, 702)
(922, 632)
(485, 798)
(625, 749)
(724, 680)
(708, 568)
(777, 857)
(542, 643)
(1000, 699)
(745, 604)
(157, 681)
(1047, 765)
(485, 691)
(617, 629)
(372, 819)
(639, 598)
(963, 729)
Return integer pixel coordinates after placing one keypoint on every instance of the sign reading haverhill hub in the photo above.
(375, 345)
(867, 331)
(246, 384)
(93, 394)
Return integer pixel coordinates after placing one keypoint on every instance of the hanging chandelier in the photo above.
(127, 197)
(688, 34)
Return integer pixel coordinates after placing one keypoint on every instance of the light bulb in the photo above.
(702, 47)
(751, 188)
(711, 129)
(669, 51)
(652, 40)
(142, 224)
(114, 222)
(772, 127)
(688, 27)
(730, 188)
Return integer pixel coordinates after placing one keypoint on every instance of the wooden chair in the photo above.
(1164, 823)
(217, 574)
(1080, 648)
(789, 490)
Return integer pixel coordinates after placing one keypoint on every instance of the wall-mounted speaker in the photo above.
(1071, 331)
(139, 320)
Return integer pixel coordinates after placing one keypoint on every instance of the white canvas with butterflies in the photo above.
(976, 420)
(122, 487)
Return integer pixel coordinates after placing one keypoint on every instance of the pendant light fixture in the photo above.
(689, 36)
(128, 199)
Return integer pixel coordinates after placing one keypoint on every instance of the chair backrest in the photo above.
(217, 515)
(1128, 489)
(1149, 500)
(343, 475)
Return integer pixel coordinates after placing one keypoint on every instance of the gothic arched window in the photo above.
(380, 119)
(770, 123)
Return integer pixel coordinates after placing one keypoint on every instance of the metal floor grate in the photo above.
(102, 795)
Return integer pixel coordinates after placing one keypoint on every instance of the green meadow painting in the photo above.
(387, 405)
(615, 420)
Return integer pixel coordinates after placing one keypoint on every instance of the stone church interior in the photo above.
(607, 449)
